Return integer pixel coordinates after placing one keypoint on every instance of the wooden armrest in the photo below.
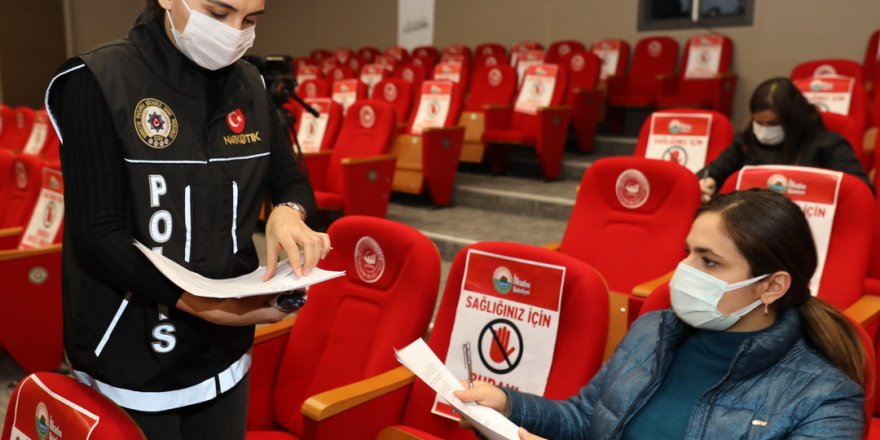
(864, 311)
(496, 107)
(645, 289)
(553, 245)
(556, 108)
(11, 232)
(869, 142)
(14, 254)
(329, 403)
(273, 331)
(371, 159)
(318, 153)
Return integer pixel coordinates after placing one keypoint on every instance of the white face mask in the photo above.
(768, 135)
(695, 296)
(210, 43)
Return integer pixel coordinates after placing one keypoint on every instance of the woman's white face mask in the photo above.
(695, 296)
(769, 134)
(210, 43)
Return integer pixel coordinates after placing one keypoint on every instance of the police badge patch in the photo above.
(155, 123)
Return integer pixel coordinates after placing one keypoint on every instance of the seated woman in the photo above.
(785, 130)
(745, 351)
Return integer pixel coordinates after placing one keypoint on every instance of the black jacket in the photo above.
(199, 151)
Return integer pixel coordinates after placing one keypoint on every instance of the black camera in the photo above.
(277, 71)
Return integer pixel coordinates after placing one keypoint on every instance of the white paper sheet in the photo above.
(246, 285)
(419, 359)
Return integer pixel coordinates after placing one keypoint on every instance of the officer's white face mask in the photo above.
(695, 296)
(210, 43)
(768, 135)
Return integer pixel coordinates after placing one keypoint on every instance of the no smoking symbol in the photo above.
(500, 346)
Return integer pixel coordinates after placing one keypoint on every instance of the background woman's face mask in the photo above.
(695, 296)
(768, 135)
(210, 43)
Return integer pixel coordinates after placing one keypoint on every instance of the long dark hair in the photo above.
(153, 9)
(773, 235)
(799, 118)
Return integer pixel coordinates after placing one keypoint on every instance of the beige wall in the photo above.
(785, 31)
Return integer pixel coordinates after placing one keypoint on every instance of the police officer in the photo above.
(171, 140)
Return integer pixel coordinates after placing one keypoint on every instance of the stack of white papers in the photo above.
(251, 284)
(425, 364)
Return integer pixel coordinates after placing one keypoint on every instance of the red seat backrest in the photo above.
(619, 67)
(40, 135)
(355, 62)
(849, 248)
(653, 56)
(349, 327)
(851, 129)
(583, 72)
(621, 207)
(425, 62)
(313, 88)
(413, 74)
(559, 49)
(398, 53)
(830, 66)
(75, 410)
(17, 133)
(454, 104)
(491, 85)
(366, 131)
(24, 176)
(368, 54)
(429, 52)
(720, 134)
(319, 55)
(871, 65)
(490, 48)
(342, 54)
(580, 341)
(490, 59)
(397, 92)
(341, 72)
(695, 42)
(529, 123)
(7, 119)
(334, 120)
(457, 49)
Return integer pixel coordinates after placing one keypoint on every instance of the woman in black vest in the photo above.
(169, 139)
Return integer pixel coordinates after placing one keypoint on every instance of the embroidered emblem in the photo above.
(155, 123)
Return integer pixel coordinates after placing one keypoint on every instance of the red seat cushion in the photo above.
(328, 201)
(510, 137)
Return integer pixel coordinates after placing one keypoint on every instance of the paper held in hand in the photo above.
(419, 359)
(246, 285)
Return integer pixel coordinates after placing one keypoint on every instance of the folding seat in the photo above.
(368, 54)
(427, 155)
(388, 62)
(614, 54)
(306, 72)
(341, 72)
(537, 120)
(395, 398)
(300, 62)
(528, 58)
(348, 329)
(18, 132)
(42, 138)
(519, 48)
(355, 62)
(621, 207)
(654, 58)
(704, 79)
(398, 53)
(370, 75)
(583, 95)
(7, 117)
(490, 49)
(455, 71)
(560, 48)
(45, 405)
(23, 177)
(844, 95)
(490, 59)
(318, 133)
(398, 93)
(428, 52)
(319, 55)
(328, 64)
(342, 54)
(426, 62)
(851, 130)
(313, 88)
(458, 49)
(871, 65)
(413, 74)
(347, 91)
(355, 176)
(492, 86)
(689, 137)
(827, 67)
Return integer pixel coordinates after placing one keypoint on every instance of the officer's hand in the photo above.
(484, 394)
(286, 230)
(525, 435)
(707, 187)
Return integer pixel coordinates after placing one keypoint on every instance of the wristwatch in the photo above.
(296, 207)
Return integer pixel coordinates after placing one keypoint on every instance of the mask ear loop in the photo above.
(745, 283)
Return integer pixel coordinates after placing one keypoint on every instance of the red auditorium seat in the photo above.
(318, 134)
(654, 58)
(23, 177)
(369, 54)
(537, 120)
(398, 93)
(7, 118)
(301, 62)
(458, 49)
(528, 58)
(341, 72)
(370, 75)
(348, 329)
(519, 48)
(492, 86)
(825, 67)
(342, 54)
(583, 95)
(426, 62)
(704, 79)
(388, 62)
(846, 96)
(306, 72)
(622, 204)
(399, 53)
(614, 54)
(851, 130)
(348, 91)
(689, 137)
(455, 71)
(18, 132)
(42, 141)
(328, 64)
(559, 49)
(427, 52)
(413, 74)
(490, 59)
(355, 176)
(319, 55)
(355, 62)
(313, 88)
(396, 398)
(427, 155)
(489, 49)
(47, 405)
(871, 65)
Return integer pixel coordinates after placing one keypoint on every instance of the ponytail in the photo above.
(832, 333)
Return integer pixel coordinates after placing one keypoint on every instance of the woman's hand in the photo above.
(707, 187)
(286, 230)
(525, 435)
(232, 312)
(486, 395)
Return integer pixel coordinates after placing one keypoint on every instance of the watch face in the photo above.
(291, 302)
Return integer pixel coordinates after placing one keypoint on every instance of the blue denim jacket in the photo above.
(777, 387)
